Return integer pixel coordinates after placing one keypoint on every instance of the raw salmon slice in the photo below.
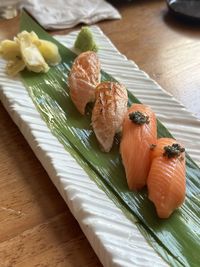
(138, 134)
(166, 180)
(83, 79)
(108, 112)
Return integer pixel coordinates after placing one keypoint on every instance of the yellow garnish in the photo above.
(31, 55)
(10, 50)
(27, 50)
(14, 66)
(50, 52)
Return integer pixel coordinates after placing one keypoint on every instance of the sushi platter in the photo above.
(116, 233)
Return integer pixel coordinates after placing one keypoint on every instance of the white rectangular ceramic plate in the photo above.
(115, 239)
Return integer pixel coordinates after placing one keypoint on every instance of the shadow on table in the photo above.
(181, 24)
(121, 3)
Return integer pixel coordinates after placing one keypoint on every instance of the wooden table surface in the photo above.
(36, 226)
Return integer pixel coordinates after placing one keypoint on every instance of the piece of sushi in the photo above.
(166, 181)
(83, 79)
(108, 112)
(138, 134)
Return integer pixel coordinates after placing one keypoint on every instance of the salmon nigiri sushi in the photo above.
(83, 79)
(166, 181)
(138, 134)
(108, 112)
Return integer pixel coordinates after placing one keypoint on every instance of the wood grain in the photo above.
(162, 45)
(36, 227)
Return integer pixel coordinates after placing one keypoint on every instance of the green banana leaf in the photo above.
(176, 239)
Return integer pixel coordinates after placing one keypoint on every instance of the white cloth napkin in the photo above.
(59, 14)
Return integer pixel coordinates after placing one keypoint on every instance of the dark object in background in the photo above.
(186, 8)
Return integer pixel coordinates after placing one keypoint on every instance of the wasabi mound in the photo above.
(85, 41)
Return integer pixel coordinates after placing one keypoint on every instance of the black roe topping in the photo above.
(138, 118)
(173, 151)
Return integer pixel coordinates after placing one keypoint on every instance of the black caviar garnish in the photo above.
(172, 151)
(138, 117)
